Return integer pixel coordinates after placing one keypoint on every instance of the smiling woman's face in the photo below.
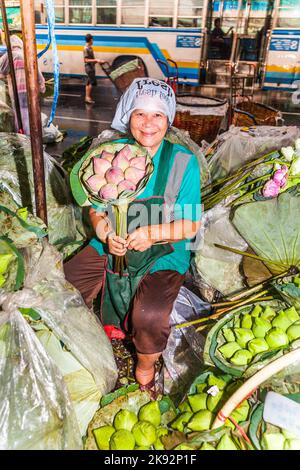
(148, 128)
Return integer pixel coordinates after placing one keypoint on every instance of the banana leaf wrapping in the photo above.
(131, 399)
(215, 339)
(288, 291)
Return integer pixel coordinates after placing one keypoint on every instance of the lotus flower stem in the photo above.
(245, 185)
(239, 199)
(250, 255)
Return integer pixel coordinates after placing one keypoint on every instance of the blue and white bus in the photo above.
(263, 35)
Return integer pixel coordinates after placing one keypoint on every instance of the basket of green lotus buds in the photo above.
(249, 337)
(129, 420)
(112, 174)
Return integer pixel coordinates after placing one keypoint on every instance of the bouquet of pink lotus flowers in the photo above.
(112, 174)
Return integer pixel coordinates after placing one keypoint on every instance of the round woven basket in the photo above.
(250, 112)
(196, 115)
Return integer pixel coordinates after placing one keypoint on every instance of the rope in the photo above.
(52, 39)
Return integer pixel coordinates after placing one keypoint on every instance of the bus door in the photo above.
(244, 24)
(282, 63)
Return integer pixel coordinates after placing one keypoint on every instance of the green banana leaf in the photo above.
(12, 269)
(272, 230)
(289, 292)
(258, 426)
(215, 339)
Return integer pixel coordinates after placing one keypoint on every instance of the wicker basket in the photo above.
(252, 113)
(199, 118)
(124, 75)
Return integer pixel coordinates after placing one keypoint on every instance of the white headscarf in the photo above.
(148, 94)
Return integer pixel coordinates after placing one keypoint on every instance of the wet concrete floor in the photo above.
(79, 119)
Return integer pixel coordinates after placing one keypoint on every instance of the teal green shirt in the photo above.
(187, 207)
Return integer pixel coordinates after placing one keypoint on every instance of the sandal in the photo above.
(152, 386)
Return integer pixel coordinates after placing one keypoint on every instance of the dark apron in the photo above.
(118, 291)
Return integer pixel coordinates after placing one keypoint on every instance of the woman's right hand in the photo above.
(116, 245)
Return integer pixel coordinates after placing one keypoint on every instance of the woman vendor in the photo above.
(157, 247)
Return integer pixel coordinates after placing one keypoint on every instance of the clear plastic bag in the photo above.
(238, 146)
(35, 408)
(216, 267)
(64, 313)
(183, 356)
(16, 179)
(50, 133)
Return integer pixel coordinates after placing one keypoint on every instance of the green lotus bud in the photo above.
(142, 448)
(197, 401)
(228, 334)
(288, 435)
(102, 436)
(256, 311)
(292, 314)
(272, 441)
(257, 346)
(201, 421)
(292, 444)
(2, 280)
(229, 424)
(150, 412)
(226, 443)
(201, 387)
(236, 322)
(281, 321)
(180, 421)
(228, 349)
(125, 419)
(261, 327)
(268, 313)
(241, 357)
(212, 402)
(276, 338)
(184, 447)
(293, 331)
(144, 433)
(213, 380)
(246, 321)
(241, 412)
(243, 336)
(5, 259)
(207, 446)
(122, 440)
(160, 432)
(296, 281)
(184, 406)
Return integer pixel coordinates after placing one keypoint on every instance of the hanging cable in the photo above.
(52, 40)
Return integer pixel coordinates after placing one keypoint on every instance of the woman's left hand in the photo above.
(139, 239)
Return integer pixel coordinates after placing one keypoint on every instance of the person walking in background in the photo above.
(19, 67)
(90, 66)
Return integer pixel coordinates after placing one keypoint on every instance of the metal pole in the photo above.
(11, 68)
(31, 71)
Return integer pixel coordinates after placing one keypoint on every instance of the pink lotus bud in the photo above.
(107, 156)
(120, 161)
(280, 175)
(271, 189)
(134, 174)
(138, 162)
(126, 152)
(96, 182)
(283, 182)
(100, 166)
(109, 191)
(126, 185)
(114, 175)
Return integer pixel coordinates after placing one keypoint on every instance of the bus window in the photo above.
(37, 11)
(132, 12)
(106, 11)
(161, 13)
(59, 11)
(257, 15)
(190, 13)
(288, 14)
(80, 11)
